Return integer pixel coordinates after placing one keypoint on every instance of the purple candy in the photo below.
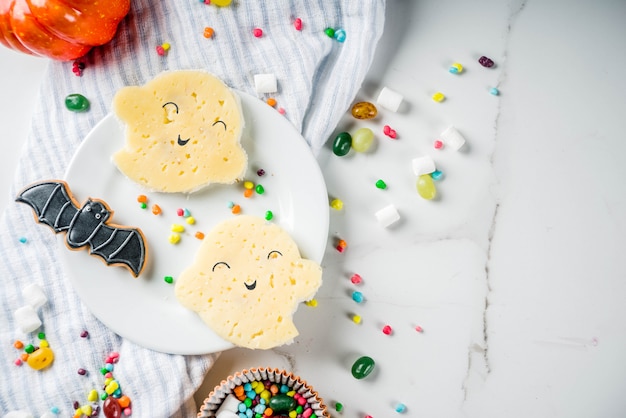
(485, 62)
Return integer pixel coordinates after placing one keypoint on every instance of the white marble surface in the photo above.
(516, 272)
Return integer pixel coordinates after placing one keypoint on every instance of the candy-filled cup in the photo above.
(225, 393)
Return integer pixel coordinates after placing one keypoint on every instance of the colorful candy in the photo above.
(387, 330)
(391, 133)
(259, 189)
(257, 32)
(380, 184)
(208, 32)
(438, 144)
(76, 103)
(494, 91)
(485, 62)
(297, 24)
(356, 279)
(342, 144)
(425, 187)
(221, 3)
(400, 408)
(357, 297)
(356, 319)
(340, 35)
(330, 32)
(364, 110)
(362, 139)
(363, 367)
(168, 279)
(456, 68)
(336, 204)
(269, 215)
(439, 97)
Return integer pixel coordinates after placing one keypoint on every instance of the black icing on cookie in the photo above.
(87, 225)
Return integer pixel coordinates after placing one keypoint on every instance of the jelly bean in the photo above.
(269, 215)
(111, 408)
(18, 344)
(41, 358)
(330, 32)
(112, 387)
(426, 187)
(357, 297)
(336, 204)
(340, 35)
(297, 24)
(485, 62)
(82, 372)
(156, 209)
(364, 110)
(439, 97)
(92, 396)
(86, 410)
(362, 139)
(142, 198)
(494, 91)
(209, 32)
(160, 50)
(362, 367)
(456, 68)
(177, 228)
(236, 209)
(419, 329)
(248, 185)
(248, 193)
(191, 220)
(221, 3)
(381, 184)
(76, 103)
(342, 144)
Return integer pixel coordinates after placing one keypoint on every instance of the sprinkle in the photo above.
(236, 209)
(494, 91)
(156, 209)
(174, 239)
(336, 204)
(381, 184)
(338, 406)
(142, 198)
(257, 32)
(438, 144)
(342, 244)
(208, 32)
(18, 362)
(356, 279)
(419, 329)
(439, 97)
(84, 334)
(312, 303)
(356, 319)
(23, 240)
(269, 215)
(259, 189)
(260, 172)
(387, 330)
(357, 297)
(191, 220)
(166, 46)
(271, 102)
(199, 235)
(400, 408)
(168, 279)
(297, 24)
(281, 110)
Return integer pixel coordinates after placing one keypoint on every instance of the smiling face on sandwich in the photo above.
(246, 282)
(183, 131)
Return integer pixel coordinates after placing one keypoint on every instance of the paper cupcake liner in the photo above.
(214, 400)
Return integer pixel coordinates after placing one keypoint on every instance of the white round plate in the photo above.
(144, 309)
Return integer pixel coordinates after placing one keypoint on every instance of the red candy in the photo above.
(257, 32)
(387, 330)
(356, 279)
(391, 133)
(298, 24)
(438, 144)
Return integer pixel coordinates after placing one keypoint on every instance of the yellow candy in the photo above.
(178, 228)
(44, 343)
(166, 46)
(362, 139)
(221, 3)
(248, 185)
(93, 396)
(336, 204)
(426, 187)
(438, 97)
(112, 387)
(41, 358)
(356, 319)
(86, 410)
(174, 239)
(108, 380)
(191, 220)
(293, 414)
(312, 303)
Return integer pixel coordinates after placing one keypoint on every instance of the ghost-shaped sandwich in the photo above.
(246, 282)
(183, 132)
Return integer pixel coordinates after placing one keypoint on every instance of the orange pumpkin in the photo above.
(59, 29)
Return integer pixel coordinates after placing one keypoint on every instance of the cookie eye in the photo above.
(218, 263)
(219, 121)
(274, 254)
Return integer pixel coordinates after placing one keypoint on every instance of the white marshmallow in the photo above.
(452, 138)
(265, 83)
(388, 216)
(18, 414)
(27, 319)
(423, 165)
(389, 99)
(34, 296)
(230, 404)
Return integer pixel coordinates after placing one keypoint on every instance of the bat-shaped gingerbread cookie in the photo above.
(87, 225)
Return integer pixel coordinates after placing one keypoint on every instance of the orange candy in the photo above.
(248, 192)
(18, 344)
(156, 209)
(124, 401)
(271, 102)
(236, 209)
(208, 32)
(199, 235)
(142, 198)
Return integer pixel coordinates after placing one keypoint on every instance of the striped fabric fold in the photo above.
(318, 78)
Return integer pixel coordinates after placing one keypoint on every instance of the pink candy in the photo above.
(298, 24)
(356, 279)
(387, 330)
(391, 133)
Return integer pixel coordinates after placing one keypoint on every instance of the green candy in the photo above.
(381, 184)
(362, 139)
(330, 32)
(76, 103)
(260, 189)
(362, 367)
(342, 144)
(282, 403)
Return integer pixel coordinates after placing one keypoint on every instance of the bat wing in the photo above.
(120, 245)
(51, 202)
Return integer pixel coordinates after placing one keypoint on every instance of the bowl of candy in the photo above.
(266, 392)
